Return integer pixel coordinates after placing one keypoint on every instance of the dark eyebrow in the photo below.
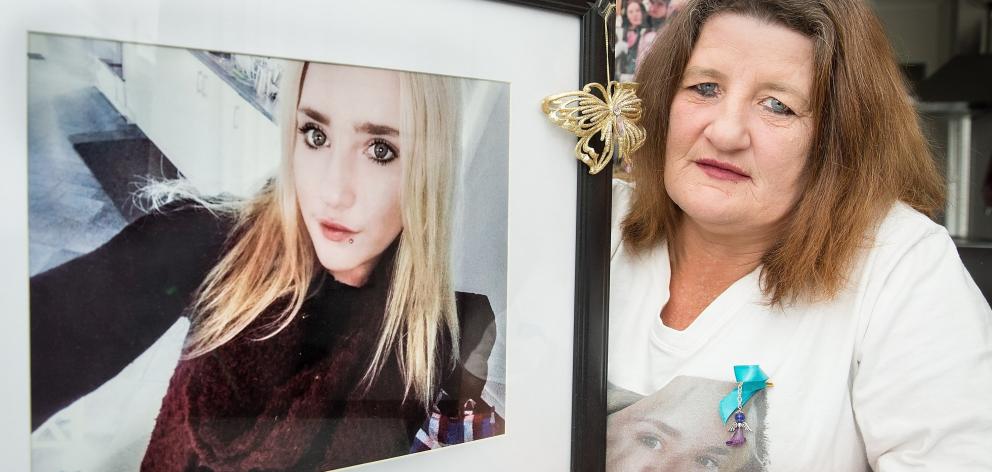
(717, 451)
(662, 426)
(704, 71)
(376, 130)
(779, 87)
(316, 115)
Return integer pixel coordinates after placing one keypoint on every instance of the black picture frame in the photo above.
(591, 283)
(592, 259)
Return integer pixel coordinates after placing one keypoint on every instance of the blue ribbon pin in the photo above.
(752, 379)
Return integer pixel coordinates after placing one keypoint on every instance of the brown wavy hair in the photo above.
(867, 152)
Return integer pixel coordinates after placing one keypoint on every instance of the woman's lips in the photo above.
(722, 170)
(336, 232)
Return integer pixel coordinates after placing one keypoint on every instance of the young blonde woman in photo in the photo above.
(324, 323)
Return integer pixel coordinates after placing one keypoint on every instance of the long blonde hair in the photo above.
(271, 259)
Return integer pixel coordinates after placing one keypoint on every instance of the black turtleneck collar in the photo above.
(378, 280)
(333, 310)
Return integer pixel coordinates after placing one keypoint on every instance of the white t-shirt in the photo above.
(895, 373)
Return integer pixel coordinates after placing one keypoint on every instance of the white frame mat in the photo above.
(535, 51)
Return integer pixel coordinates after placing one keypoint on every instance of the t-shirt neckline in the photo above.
(713, 317)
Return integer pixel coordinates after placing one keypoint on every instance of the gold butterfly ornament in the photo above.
(615, 118)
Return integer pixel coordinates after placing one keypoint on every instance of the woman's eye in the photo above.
(381, 152)
(708, 463)
(777, 107)
(707, 89)
(650, 441)
(313, 136)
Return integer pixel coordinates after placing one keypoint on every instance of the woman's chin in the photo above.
(345, 268)
(335, 263)
(714, 213)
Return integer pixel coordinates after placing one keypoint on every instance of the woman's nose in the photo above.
(728, 131)
(337, 187)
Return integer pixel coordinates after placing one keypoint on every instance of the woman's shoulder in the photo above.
(909, 245)
(904, 228)
(477, 323)
(477, 337)
(183, 223)
(185, 212)
(922, 338)
(473, 307)
(902, 217)
(182, 238)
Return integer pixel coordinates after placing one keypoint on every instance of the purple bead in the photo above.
(739, 417)
(737, 439)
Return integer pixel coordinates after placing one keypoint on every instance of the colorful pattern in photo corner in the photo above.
(440, 430)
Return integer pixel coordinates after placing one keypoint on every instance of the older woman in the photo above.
(778, 222)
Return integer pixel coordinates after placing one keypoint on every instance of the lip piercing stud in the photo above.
(351, 241)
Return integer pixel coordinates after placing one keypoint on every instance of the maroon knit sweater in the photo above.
(290, 402)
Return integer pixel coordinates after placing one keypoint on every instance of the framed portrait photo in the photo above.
(303, 236)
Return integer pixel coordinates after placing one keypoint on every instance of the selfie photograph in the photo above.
(247, 263)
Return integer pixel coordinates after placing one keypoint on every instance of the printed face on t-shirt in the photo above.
(678, 428)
